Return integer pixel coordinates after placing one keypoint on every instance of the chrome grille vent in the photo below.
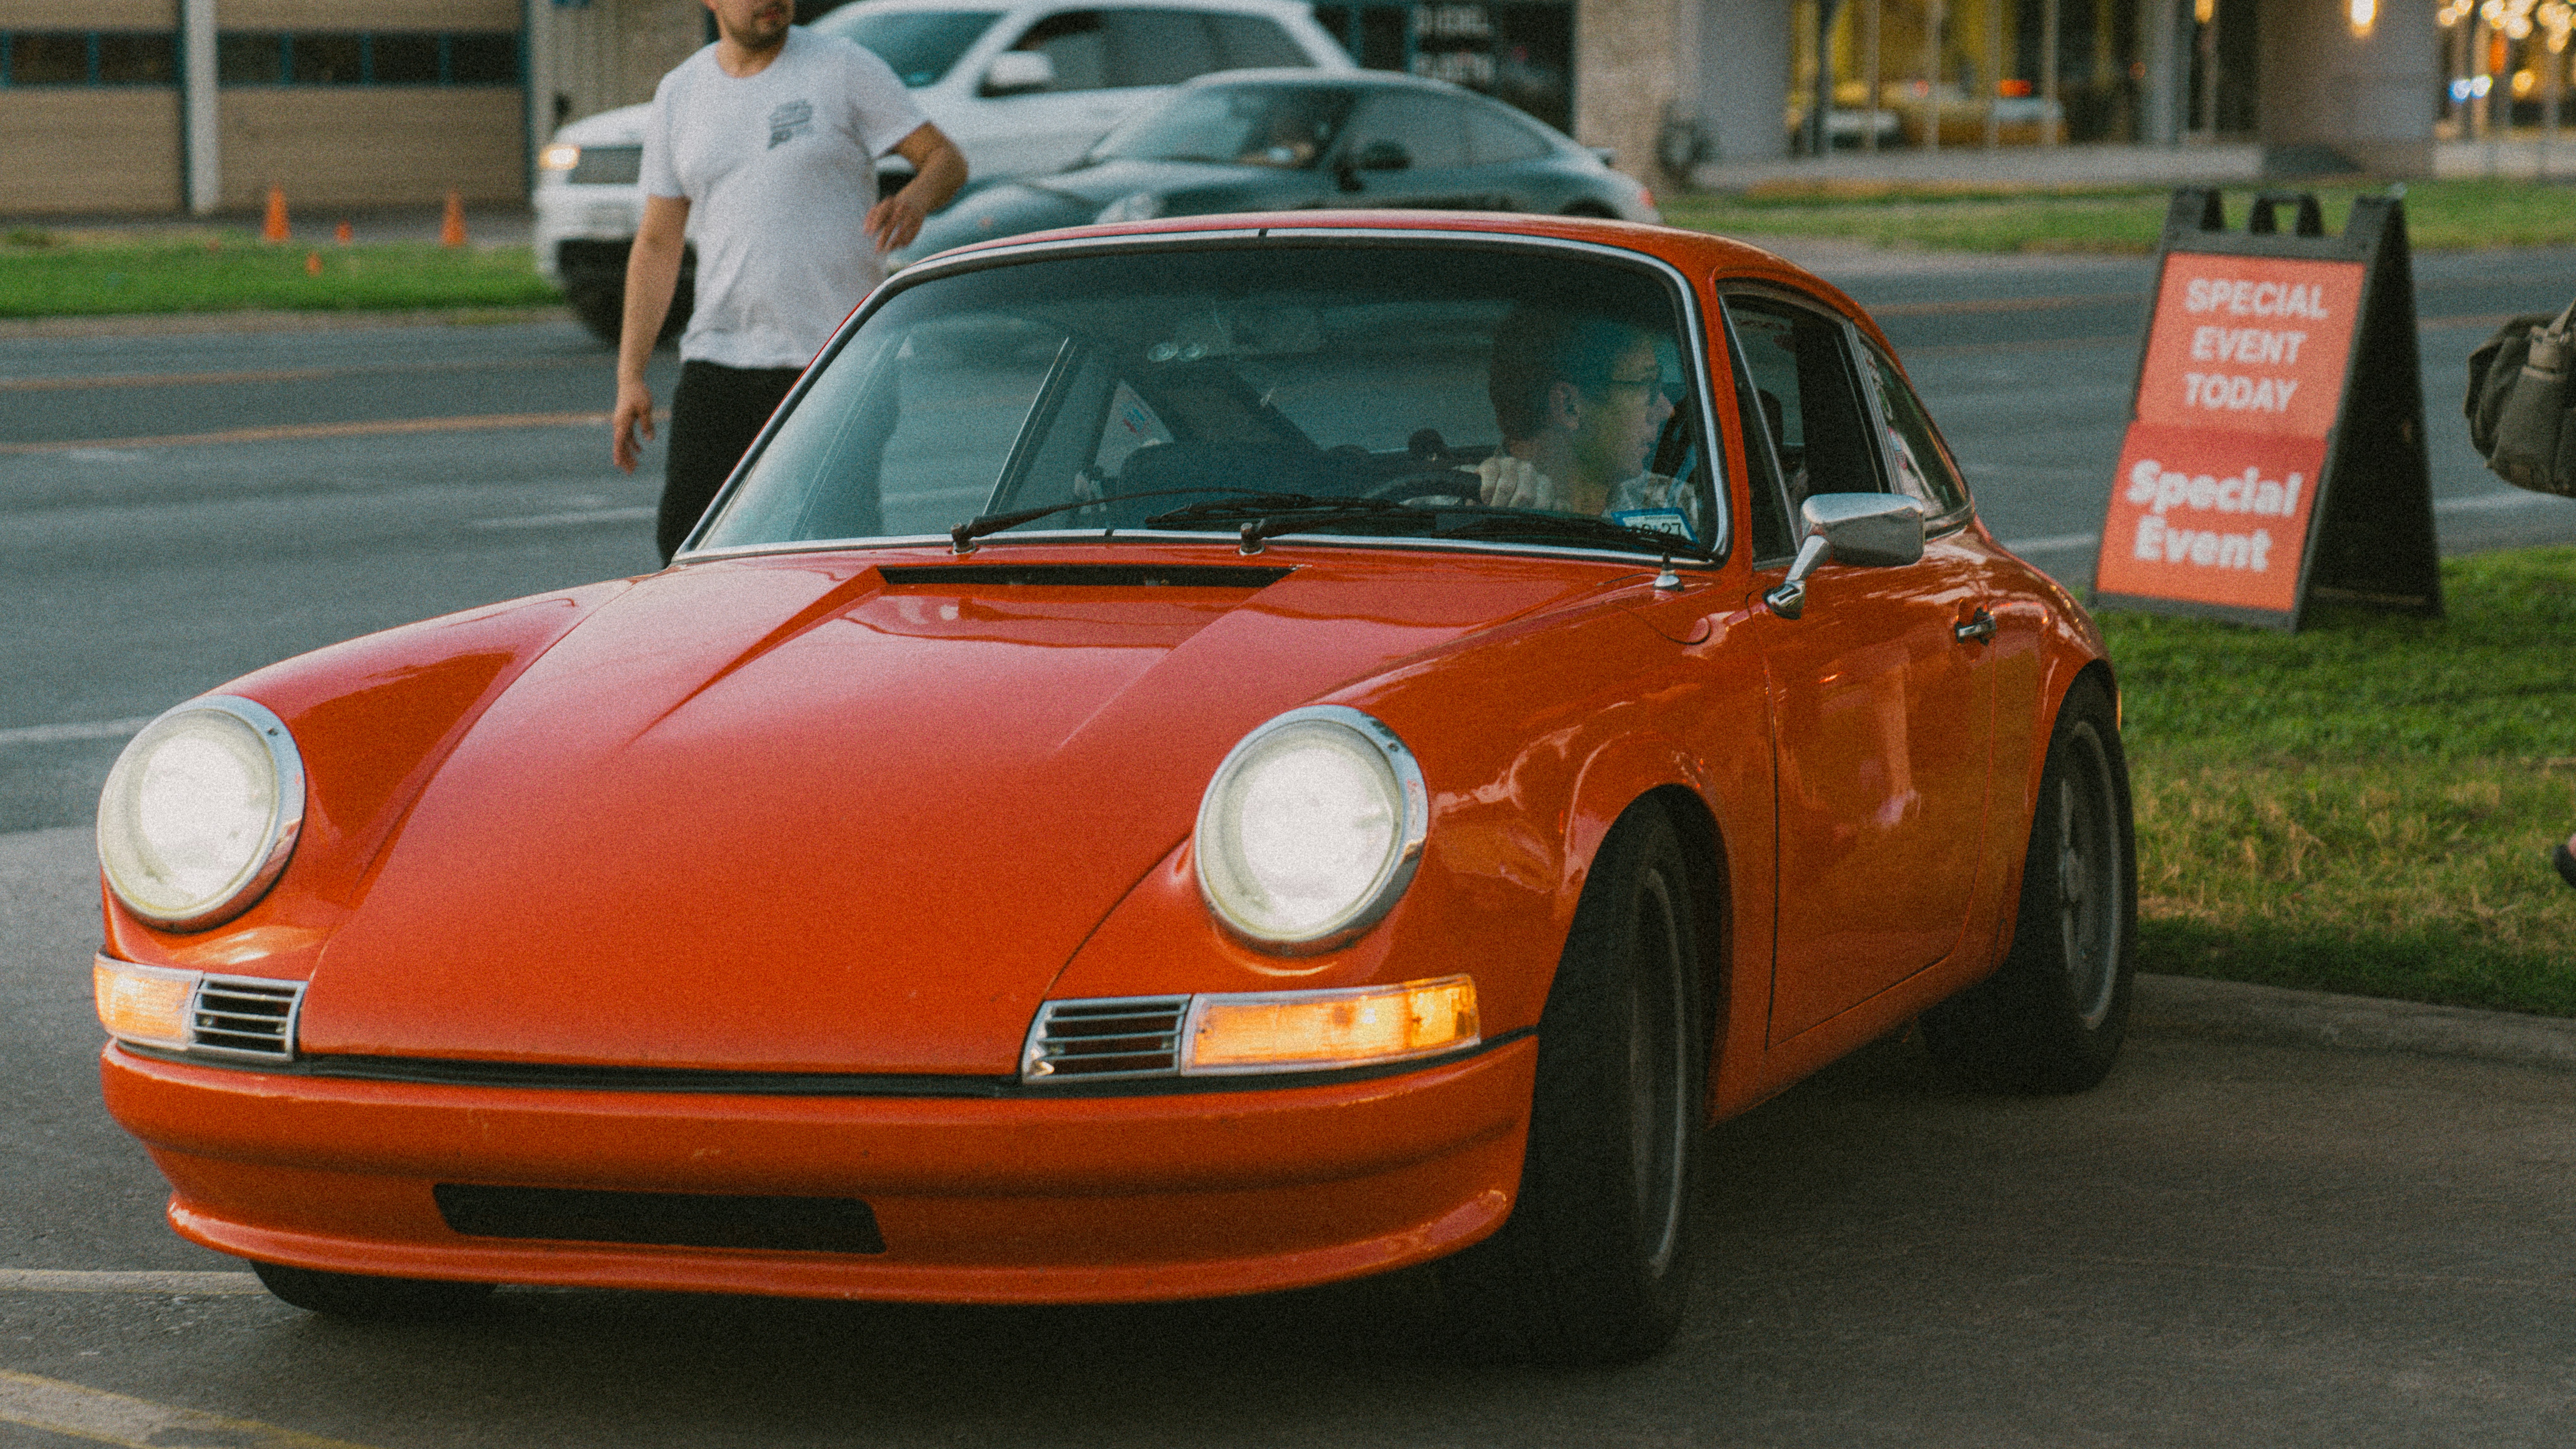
(245, 1016)
(1127, 1036)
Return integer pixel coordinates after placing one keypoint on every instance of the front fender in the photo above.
(373, 718)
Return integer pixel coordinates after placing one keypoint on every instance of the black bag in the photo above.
(2519, 402)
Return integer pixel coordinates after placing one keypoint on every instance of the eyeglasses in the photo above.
(1658, 385)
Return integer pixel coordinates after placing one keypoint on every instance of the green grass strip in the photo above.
(2439, 214)
(2367, 806)
(45, 274)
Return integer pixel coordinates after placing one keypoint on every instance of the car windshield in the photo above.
(1360, 388)
(921, 45)
(1288, 127)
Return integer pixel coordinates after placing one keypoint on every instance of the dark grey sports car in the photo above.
(1277, 140)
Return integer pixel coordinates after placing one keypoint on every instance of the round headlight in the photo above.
(201, 813)
(1311, 829)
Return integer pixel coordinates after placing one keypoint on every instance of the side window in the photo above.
(1077, 43)
(1494, 138)
(1430, 130)
(1922, 463)
(1159, 47)
(1249, 41)
(1775, 537)
(1806, 391)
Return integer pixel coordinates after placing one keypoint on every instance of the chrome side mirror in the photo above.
(1868, 530)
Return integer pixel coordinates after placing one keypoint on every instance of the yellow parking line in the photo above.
(61, 1408)
(489, 422)
(62, 1280)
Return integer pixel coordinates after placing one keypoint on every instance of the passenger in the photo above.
(1581, 401)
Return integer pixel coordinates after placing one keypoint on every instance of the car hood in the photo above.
(804, 815)
(623, 126)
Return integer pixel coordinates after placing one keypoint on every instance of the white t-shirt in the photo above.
(779, 170)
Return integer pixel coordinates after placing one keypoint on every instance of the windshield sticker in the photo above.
(1657, 520)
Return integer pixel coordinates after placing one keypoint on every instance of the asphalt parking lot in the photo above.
(2283, 1221)
(2246, 1236)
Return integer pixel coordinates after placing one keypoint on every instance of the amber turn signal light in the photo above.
(144, 1004)
(1269, 1031)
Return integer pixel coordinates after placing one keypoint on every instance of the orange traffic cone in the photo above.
(312, 264)
(275, 228)
(342, 234)
(451, 229)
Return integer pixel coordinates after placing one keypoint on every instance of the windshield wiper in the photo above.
(963, 535)
(1278, 513)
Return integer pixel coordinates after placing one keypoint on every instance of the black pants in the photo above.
(715, 413)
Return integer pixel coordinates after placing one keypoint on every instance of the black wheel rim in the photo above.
(1658, 1064)
(2089, 872)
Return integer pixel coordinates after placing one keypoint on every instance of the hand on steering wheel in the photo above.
(1508, 482)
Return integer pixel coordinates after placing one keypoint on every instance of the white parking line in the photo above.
(2482, 502)
(69, 1280)
(60, 1408)
(568, 519)
(104, 729)
(2059, 543)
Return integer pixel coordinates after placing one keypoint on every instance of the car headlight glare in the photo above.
(1311, 829)
(1134, 206)
(201, 812)
(561, 156)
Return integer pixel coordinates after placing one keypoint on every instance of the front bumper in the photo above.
(1022, 1199)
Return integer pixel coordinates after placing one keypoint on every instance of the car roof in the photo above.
(1002, 7)
(1391, 80)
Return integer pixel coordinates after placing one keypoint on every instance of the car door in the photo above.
(1409, 148)
(1881, 693)
(1507, 155)
(1110, 63)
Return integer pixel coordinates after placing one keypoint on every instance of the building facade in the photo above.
(144, 106)
(141, 106)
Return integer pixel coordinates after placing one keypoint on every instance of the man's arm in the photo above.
(652, 272)
(938, 169)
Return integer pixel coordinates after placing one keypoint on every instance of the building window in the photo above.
(88, 58)
(368, 58)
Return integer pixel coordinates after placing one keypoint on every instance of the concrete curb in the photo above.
(2238, 1011)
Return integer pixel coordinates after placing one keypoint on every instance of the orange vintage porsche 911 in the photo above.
(1187, 760)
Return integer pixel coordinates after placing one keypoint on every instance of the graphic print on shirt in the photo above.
(790, 121)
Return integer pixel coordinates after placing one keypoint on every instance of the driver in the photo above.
(1580, 401)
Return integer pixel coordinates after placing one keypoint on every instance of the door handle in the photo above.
(1979, 628)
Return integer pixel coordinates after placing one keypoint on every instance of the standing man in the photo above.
(773, 134)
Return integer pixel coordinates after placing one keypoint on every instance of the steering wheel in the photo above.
(1429, 482)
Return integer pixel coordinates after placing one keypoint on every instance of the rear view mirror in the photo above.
(1017, 72)
(1867, 530)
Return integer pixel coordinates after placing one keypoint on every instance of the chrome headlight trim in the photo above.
(122, 847)
(1215, 855)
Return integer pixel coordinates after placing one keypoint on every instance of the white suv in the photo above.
(1022, 86)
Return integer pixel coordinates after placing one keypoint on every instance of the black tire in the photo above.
(602, 309)
(2052, 1017)
(383, 1300)
(1594, 1265)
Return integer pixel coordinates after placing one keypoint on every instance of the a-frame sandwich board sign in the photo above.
(2275, 450)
